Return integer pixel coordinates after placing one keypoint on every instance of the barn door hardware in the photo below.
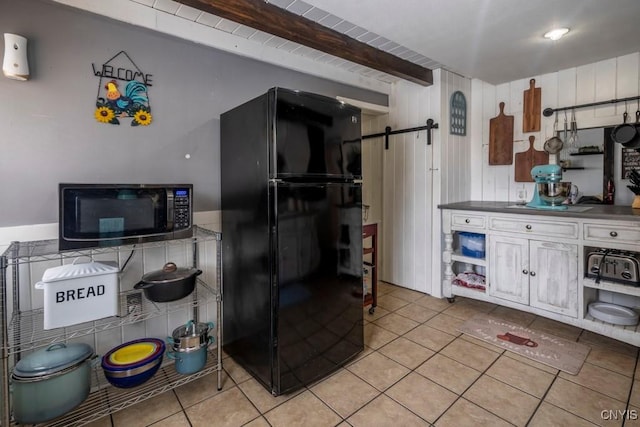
(387, 132)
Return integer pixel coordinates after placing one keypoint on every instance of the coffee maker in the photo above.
(549, 192)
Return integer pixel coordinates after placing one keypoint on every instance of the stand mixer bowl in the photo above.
(553, 193)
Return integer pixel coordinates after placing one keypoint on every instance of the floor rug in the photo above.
(559, 353)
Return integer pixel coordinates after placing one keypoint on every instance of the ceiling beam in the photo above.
(260, 15)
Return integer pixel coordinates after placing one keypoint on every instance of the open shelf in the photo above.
(590, 153)
(617, 328)
(27, 325)
(469, 260)
(464, 291)
(611, 286)
(47, 250)
(23, 330)
(105, 399)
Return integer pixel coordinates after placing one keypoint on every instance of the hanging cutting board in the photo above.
(501, 139)
(532, 105)
(527, 160)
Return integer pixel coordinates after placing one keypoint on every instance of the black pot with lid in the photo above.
(170, 283)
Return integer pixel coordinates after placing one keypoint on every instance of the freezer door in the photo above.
(318, 274)
(315, 137)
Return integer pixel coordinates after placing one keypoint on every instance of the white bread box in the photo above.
(77, 293)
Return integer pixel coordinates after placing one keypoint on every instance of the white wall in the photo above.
(613, 78)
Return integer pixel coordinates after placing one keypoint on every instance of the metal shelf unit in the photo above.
(22, 330)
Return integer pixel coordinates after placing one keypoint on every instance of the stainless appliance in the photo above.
(549, 192)
(93, 215)
(614, 265)
(292, 226)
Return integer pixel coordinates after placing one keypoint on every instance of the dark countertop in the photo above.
(613, 212)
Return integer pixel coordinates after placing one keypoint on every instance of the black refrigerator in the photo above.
(292, 236)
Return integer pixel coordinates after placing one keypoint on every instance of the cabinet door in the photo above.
(508, 268)
(554, 277)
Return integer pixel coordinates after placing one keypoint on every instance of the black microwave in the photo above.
(95, 215)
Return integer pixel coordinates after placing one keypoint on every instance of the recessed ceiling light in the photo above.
(556, 33)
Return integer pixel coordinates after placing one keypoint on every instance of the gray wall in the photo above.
(48, 133)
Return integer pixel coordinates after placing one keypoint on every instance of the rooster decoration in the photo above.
(134, 103)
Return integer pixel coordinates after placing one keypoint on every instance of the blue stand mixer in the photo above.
(549, 192)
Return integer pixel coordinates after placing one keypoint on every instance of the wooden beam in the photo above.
(271, 19)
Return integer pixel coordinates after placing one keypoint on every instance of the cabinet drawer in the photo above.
(612, 233)
(535, 227)
(468, 221)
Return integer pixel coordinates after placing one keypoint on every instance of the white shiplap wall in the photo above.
(613, 78)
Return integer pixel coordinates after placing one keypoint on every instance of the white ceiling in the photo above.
(497, 40)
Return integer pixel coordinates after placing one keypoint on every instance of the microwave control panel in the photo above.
(182, 208)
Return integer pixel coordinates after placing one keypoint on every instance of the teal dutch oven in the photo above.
(50, 382)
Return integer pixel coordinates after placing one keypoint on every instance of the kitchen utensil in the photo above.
(527, 160)
(554, 193)
(549, 192)
(169, 284)
(635, 142)
(532, 106)
(132, 353)
(501, 139)
(190, 342)
(114, 358)
(614, 265)
(190, 362)
(190, 336)
(553, 145)
(573, 134)
(135, 373)
(573, 194)
(565, 134)
(624, 133)
(613, 313)
(50, 382)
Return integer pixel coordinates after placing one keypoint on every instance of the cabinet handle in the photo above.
(467, 220)
(525, 272)
(533, 274)
(613, 234)
(528, 227)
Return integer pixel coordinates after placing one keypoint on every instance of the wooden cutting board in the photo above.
(532, 105)
(501, 139)
(527, 160)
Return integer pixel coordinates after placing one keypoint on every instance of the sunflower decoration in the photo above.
(142, 117)
(130, 101)
(105, 114)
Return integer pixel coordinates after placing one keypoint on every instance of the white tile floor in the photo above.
(418, 370)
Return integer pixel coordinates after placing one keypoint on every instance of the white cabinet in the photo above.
(508, 268)
(535, 261)
(537, 273)
(553, 277)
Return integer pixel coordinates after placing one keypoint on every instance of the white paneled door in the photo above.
(408, 192)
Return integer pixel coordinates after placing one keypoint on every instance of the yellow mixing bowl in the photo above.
(132, 353)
